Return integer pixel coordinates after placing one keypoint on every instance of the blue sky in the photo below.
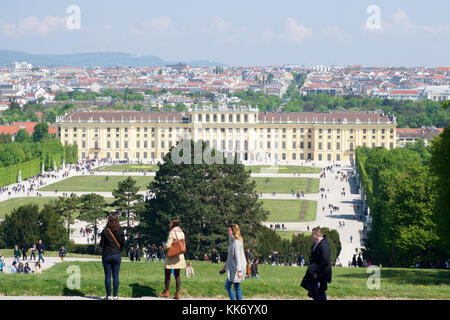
(245, 32)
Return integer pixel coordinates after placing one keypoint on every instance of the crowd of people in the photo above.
(21, 254)
(299, 194)
(31, 184)
(277, 226)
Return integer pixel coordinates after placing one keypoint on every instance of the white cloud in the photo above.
(33, 26)
(222, 31)
(218, 24)
(296, 33)
(400, 16)
(335, 33)
(162, 23)
(267, 36)
(155, 25)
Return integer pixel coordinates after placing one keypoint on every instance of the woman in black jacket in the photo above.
(112, 241)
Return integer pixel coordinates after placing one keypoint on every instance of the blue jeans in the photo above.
(41, 257)
(111, 266)
(237, 288)
(322, 295)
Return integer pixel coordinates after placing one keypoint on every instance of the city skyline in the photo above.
(281, 33)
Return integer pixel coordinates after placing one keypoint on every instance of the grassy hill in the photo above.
(276, 282)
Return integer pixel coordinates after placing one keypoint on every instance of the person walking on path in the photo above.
(137, 253)
(301, 260)
(41, 249)
(62, 253)
(33, 252)
(318, 273)
(17, 254)
(254, 271)
(131, 254)
(236, 264)
(24, 250)
(112, 240)
(176, 262)
(154, 253)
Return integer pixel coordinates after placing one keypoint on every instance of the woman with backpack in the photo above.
(112, 241)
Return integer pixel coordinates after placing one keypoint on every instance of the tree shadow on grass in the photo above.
(404, 276)
(139, 291)
(70, 292)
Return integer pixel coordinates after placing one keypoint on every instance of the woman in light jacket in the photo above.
(176, 263)
(236, 264)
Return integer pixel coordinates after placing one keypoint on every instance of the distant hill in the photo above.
(92, 59)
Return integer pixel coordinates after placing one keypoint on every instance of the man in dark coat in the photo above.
(318, 273)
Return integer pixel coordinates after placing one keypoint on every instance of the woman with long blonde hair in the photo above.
(236, 264)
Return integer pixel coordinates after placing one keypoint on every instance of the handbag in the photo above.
(178, 247)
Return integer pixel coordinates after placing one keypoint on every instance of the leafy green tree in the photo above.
(40, 133)
(51, 229)
(206, 198)
(439, 166)
(127, 199)
(401, 194)
(28, 224)
(67, 208)
(5, 138)
(179, 107)
(22, 136)
(92, 208)
(22, 224)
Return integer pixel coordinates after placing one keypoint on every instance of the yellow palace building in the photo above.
(250, 134)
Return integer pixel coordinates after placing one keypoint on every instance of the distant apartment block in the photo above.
(405, 135)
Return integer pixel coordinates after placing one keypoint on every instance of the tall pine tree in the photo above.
(206, 198)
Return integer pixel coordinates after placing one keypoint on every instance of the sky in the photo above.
(236, 33)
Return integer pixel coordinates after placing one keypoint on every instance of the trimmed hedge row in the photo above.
(10, 174)
(28, 158)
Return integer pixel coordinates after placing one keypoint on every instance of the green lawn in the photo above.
(290, 210)
(255, 169)
(9, 205)
(283, 169)
(95, 183)
(128, 167)
(289, 234)
(286, 185)
(276, 282)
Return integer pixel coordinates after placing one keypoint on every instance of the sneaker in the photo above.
(115, 298)
(107, 298)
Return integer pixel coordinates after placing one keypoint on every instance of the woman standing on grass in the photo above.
(112, 241)
(236, 264)
(176, 263)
